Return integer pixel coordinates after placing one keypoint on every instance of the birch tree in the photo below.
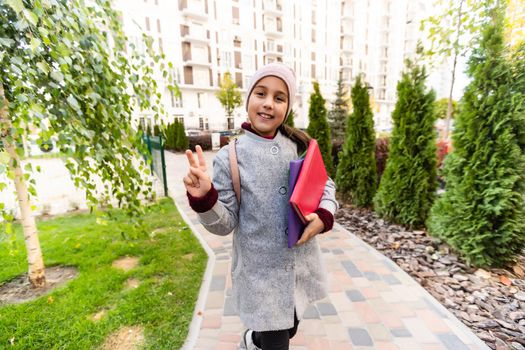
(65, 72)
(450, 33)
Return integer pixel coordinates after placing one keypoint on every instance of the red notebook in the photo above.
(310, 183)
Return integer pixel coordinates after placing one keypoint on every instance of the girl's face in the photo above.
(267, 105)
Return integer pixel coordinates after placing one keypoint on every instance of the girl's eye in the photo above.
(259, 93)
(280, 99)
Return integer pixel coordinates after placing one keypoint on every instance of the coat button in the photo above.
(282, 190)
(286, 231)
(274, 150)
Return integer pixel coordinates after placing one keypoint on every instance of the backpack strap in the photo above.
(234, 167)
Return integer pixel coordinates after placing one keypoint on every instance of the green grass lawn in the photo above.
(163, 303)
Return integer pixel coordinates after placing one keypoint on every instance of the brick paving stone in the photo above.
(351, 269)
(227, 346)
(433, 322)
(419, 330)
(390, 279)
(326, 309)
(451, 341)
(360, 337)
(341, 301)
(386, 346)
(336, 332)
(355, 295)
(311, 312)
(371, 276)
(400, 332)
(299, 339)
(215, 300)
(229, 307)
(391, 319)
(379, 332)
(218, 283)
(335, 345)
(230, 337)
(211, 321)
(366, 312)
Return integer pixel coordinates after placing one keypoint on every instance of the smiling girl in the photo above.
(272, 285)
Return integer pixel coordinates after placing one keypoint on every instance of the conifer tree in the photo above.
(408, 185)
(481, 212)
(339, 114)
(290, 120)
(318, 127)
(182, 142)
(356, 172)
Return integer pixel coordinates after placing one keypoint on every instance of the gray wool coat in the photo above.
(269, 280)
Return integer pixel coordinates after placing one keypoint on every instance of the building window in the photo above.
(203, 123)
(161, 48)
(313, 71)
(238, 79)
(147, 23)
(238, 63)
(237, 42)
(200, 99)
(188, 75)
(158, 25)
(235, 15)
(313, 35)
(178, 101)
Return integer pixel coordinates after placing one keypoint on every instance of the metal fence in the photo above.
(158, 162)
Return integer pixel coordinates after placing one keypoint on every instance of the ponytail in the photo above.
(301, 138)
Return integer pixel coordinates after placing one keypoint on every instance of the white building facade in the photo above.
(319, 39)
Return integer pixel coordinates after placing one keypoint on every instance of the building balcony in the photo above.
(273, 53)
(347, 15)
(195, 13)
(197, 62)
(193, 38)
(273, 10)
(274, 32)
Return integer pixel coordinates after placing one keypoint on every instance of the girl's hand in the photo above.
(197, 181)
(314, 227)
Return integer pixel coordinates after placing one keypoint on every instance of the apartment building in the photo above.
(320, 39)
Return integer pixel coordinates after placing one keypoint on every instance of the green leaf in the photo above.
(43, 67)
(57, 76)
(6, 42)
(35, 43)
(30, 17)
(73, 102)
(16, 5)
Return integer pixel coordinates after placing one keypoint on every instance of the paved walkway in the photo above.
(372, 303)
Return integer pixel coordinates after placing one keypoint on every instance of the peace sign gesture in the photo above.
(197, 181)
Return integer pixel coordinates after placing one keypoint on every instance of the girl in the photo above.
(272, 285)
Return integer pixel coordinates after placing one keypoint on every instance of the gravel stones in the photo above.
(489, 301)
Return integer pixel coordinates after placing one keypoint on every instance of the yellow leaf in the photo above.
(50, 300)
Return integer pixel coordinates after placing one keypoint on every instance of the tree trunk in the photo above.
(36, 270)
(449, 106)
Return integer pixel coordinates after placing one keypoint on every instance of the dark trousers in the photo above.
(275, 340)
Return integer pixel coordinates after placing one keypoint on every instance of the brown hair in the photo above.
(301, 138)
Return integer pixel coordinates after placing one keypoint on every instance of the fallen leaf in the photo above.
(199, 313)
(12, 341)
(505, 280)
(395, 245)
(518, 271)
(50, 300)
(482, 273)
